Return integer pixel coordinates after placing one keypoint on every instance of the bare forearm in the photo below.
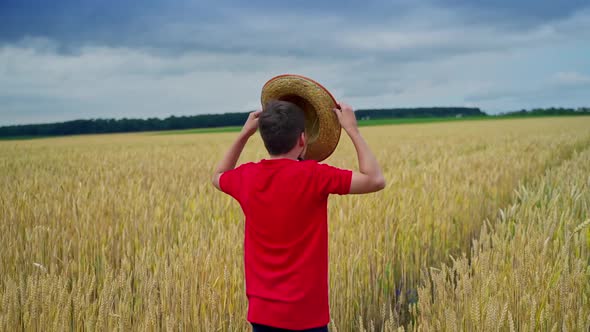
(230, 159)
(368, 164)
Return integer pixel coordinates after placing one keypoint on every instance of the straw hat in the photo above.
(321, 124)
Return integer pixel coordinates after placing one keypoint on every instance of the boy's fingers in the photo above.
(338, 113)
(254, 115)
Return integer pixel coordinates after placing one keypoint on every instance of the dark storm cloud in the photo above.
(309, 27)
(516, 12)
(132, 23)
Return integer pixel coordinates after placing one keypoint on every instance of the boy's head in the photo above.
(282, 127)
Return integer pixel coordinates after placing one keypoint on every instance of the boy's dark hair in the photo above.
(280, 125)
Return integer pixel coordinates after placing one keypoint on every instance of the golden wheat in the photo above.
(125, 231)
(533, 258)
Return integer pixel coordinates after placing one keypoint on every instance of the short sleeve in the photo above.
(333, 180)
(230, 182)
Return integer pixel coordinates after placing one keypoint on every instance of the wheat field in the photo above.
(483, 226)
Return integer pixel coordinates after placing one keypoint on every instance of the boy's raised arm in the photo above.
(369, 178)
(233, 154)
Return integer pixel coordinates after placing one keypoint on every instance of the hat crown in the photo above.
(321, 124)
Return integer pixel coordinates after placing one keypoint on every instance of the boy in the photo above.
(284, 200)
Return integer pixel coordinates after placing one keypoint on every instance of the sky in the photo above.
(80, 59)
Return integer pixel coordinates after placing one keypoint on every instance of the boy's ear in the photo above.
(302, 139)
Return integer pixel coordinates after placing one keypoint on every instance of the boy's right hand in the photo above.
(346, 117)
(251, 124)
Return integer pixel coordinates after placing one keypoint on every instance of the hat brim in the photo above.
(321, 124)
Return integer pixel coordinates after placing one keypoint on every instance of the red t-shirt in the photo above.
(285, 205)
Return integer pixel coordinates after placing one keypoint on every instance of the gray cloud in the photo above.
(265, 27)
(567, 87)
(515, 14)
(156, 61)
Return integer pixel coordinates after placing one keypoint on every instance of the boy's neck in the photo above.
(289, 155)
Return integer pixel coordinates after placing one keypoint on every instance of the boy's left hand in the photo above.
(251, 124)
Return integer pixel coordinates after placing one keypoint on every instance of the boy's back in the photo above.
(286, 238)
(284, 201)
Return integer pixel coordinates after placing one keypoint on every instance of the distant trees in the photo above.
(419, 112)
(99, 126)
(550, 111)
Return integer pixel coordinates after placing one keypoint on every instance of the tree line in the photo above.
(420, 112)
(549, 111)
(103, 126)
(100, 126)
